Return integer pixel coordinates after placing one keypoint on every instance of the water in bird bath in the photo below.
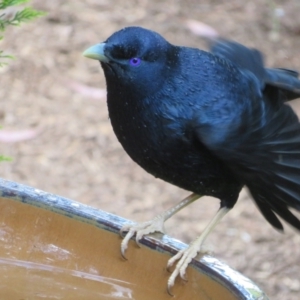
(27, 280)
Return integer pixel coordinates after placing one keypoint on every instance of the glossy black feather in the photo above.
(207, 122)
(281, 80)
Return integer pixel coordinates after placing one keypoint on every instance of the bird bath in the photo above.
(55, 248)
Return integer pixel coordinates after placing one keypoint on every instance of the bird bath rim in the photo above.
(241, 286)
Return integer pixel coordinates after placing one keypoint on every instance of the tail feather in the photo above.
(273, 205)
(267, 212)
(285, 80)
(282, 84)
(283, 211)
(289, 72)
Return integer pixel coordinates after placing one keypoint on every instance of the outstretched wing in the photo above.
(266, 158)
(282, 81)
(260, 143)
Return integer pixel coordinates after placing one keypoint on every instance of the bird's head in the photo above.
(134, 58)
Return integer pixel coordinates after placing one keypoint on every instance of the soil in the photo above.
(48, 89)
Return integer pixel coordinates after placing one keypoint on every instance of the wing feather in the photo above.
(266, 158)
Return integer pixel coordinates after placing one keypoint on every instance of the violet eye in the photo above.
(135, 61)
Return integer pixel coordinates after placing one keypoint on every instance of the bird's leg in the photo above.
(185, 256)
(155, 225)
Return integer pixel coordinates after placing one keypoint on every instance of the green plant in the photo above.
(5, 158)
(10, 15)
(14, 17)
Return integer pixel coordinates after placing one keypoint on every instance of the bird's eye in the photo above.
(135, 61)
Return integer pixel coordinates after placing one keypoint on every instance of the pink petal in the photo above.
(201, 29)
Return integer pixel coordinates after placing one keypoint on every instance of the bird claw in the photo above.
(172, 278)
(173, 259)
(179, 270)
(124, 228)
(124, 244)
(183, 276)
(139, 230)
(184, 257)
(169, 291)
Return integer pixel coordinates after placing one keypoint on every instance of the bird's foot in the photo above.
(184, 257)
(140, 229)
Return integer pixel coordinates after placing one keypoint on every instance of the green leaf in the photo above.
(27, 14)
(5, 158)
(23, 15)
(7, 3)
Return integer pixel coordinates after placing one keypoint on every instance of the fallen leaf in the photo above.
(11, 136)
(89, 91)
(201, 29)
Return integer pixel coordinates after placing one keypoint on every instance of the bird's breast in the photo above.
(155, 139)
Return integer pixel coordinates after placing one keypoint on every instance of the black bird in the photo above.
(208, 122)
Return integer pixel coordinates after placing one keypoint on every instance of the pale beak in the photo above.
(96, 52)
